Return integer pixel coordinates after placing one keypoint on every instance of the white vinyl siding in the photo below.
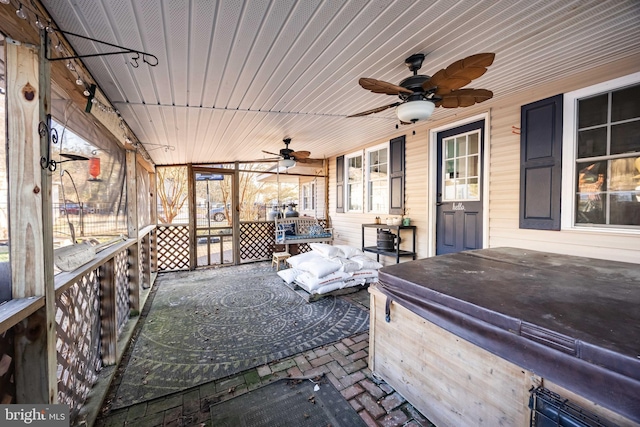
(502, 151)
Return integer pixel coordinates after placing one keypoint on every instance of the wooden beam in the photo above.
(47, 222)
(31, 250)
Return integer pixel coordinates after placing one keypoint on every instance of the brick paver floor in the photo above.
(344, 363)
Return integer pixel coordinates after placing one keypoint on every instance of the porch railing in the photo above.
(93, 305)
(256, 243)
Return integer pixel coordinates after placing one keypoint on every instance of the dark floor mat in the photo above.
(207, 325)
(287, 403)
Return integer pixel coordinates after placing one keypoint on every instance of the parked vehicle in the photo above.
(217, 214)
(70, 207)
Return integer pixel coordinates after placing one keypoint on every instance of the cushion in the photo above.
(316, 230)
(325, 250)
(289, 228)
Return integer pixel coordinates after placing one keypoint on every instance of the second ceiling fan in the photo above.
(289, 156)
(420, 94)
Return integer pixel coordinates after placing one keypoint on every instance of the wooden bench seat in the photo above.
(295, 230)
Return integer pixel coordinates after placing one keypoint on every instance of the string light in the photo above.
(33, 16)
(39, 23)
(21, 13)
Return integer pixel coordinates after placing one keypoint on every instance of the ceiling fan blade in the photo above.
(268, 152)
(300, 154)
(375, 110)
(379, 86)
(460, 73)
(464, 98)
(309, 160)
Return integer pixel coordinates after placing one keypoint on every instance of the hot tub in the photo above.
(464, 337)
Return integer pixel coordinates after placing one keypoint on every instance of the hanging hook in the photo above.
(52, 138)
(147, 55)
(134, 60)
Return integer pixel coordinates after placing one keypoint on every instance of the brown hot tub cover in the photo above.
(572, 320)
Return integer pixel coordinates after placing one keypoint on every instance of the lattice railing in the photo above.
(78, 340)
(256, 243)
(121, 274)
(257, 240)
(173, 247)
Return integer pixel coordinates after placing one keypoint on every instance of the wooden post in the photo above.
(235, 214)
(31, 250)
(109, 309)
(132, 230)
(153, 236)
(193, 244)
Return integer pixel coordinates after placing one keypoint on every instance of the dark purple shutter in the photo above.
(541, 164)
(396, 175)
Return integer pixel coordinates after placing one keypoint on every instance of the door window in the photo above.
(461, 171)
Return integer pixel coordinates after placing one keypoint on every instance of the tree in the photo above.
(172, 192)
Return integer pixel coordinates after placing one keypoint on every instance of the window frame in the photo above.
(570, 155)
(347, 184)
(308, 202)
(367, 179)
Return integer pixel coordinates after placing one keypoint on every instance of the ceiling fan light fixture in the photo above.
(288, 163)
(413, 111)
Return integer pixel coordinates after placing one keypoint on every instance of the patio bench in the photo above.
(295, 230)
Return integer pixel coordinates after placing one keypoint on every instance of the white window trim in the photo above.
(569, 149)
(346, 182)
(366, 177)
(310, 186)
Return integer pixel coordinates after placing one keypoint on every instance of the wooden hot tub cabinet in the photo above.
(469, 334)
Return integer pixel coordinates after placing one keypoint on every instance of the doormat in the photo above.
(209, 324)
(287, 403)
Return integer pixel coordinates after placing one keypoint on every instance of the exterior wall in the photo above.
(502, 194)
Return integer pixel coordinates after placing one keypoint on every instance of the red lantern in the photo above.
(94, 167)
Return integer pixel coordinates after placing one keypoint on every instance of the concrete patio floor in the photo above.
(344, 363)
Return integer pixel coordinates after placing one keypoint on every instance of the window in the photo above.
(308, 196)
(606, 134)
(461, 160)
(354, 183)
(384, 179)
(378, 179)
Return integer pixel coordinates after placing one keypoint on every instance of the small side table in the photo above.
(279, 257)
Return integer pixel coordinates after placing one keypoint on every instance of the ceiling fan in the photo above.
(290, 157)
(420, 94)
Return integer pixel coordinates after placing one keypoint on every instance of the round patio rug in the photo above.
(209, 324)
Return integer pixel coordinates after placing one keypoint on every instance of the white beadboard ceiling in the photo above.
(236, 77)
